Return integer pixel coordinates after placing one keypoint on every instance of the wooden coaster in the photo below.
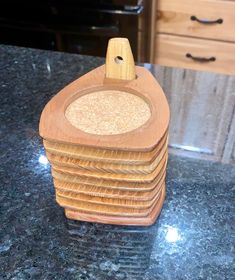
(134, 194)
(110, 184)
(62, 161)
(85, 153)
(107, 133)
(55, 127)
(104, 201)
(89, 207)
(116, 220)
(114, 176)
(132, 203)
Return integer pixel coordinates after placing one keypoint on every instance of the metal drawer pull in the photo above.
(205, 21)
(201, 59)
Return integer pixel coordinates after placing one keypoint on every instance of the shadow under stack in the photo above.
(106, 137)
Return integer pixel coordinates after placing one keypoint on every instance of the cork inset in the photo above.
(108, 112)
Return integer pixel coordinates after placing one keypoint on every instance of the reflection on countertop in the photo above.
(119, 252)
(192, 239)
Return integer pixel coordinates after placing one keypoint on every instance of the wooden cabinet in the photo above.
(201, 29)
(193, 53)
(209, 19)
(198, 35)
(202, 108)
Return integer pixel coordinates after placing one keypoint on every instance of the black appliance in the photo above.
(79, 26)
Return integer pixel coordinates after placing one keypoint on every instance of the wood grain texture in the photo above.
(138, 221)
(202, 108)
(119, 62)
(112, 210)
(85, 153)
(172, 50)
(152, 30)
(174, 17)
(108, 184)
(106, 201)
(106, 137)
(145, 178)
(229, 151)
(132, 194)
(106, 167)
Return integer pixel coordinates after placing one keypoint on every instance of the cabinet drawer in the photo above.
(195, 18)
(194, 53)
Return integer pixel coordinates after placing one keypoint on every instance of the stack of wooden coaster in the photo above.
(106, 136)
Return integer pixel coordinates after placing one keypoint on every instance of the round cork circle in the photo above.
(108, 112)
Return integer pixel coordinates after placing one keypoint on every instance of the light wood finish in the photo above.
(106, 167)
(152, 28)
(132, 194)
(110, 184)
(229, 151)
(113, 112)
(172, 50)
(112, 210)
(174, 17)
(106, 138)
(106, 201)
(147, 178)
(107, 156)
(119, 60)
(202, 108)
(138, 221)
(72, 204)
(54, 126)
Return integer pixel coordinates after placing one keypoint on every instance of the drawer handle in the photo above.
(204, 21)
(200, 59)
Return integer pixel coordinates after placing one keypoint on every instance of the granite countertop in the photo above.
(192, 239)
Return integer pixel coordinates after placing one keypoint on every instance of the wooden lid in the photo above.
(129, 112)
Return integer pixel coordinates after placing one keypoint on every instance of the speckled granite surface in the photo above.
(192, 239)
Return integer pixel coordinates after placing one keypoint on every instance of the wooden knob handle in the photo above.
(119, 60)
